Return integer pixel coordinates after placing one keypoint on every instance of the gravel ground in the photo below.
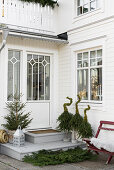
(7, 163)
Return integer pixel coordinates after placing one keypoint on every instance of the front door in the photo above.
(38, 89)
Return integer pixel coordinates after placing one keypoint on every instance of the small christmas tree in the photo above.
(65, 118)
(85, 130)
(77, 119)
(16, 114)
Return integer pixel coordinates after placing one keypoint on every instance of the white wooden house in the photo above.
(46, 68)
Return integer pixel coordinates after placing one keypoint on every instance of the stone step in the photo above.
(44, 137)
(19, 152)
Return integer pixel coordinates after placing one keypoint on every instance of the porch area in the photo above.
(36, 142)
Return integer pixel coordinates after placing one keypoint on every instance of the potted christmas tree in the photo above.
(64, 120)
(16, 116)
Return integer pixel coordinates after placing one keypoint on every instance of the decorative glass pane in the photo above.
(96, 84)
(79, 56)
(13, 74)
(41, 58)
(10, 81)
(35, 82)
(83, 84)
(41, 82)
(85, 8)
(47, 58)
(38, 77)
(29, 57)
(35, 57)
(29, 81)
(17, 55)
(10, 54)
(47, 82)
(92, 54)
(79, 10)
(17, 78)
(92, 5)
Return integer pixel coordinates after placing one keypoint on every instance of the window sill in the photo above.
(95, 105)
(88, 14)
(38, 101)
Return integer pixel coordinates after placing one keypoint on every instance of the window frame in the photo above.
(43, 54)
(89, 74)
(89, 6)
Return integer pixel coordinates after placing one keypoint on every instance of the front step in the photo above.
(38, 138)
(19, 152)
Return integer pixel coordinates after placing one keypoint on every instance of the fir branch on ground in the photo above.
(44, 158)
(43, 3)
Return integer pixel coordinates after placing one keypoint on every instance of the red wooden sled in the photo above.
(92, 147)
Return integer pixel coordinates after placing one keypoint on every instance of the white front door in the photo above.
(38, 90)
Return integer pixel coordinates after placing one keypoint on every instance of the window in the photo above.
(38, 77)
(89, 75)
(84, 6)
(13, 74)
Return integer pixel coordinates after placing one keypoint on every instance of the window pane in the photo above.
(29, 81)
(85, 8)
(96, 84)
(35, 81)
(17, 78)
(83, 84)
(47, 82)
(79, 64)
(41, 82)
(79, 10)
(79, 56)
(85, 1)
(99, 53)
(10, 81)
(93, 62)
(92, 5)
(85, 59)
(92, 54)
(79, 2)
(13, 74)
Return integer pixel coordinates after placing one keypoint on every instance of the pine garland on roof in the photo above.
(43, 3)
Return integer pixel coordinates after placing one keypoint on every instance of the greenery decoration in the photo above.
(44, 158)
(85, 130)
(77, 119)
(43, 3)
(65, 118)
(16, 114)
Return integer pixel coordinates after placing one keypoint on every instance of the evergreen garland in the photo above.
(44, 158)
(43, 3)
(65, 118)
(16, 114)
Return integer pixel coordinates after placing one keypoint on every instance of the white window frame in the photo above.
(89, 2)
(89, 68)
